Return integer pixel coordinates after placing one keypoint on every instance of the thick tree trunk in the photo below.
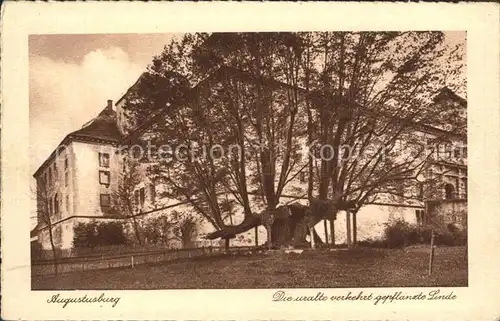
(269, 236)
(231, 231)
(354, 228)
(348, 228)
(288, 226)
(332, 232)
(326, 231)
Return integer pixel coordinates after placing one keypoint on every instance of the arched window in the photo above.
(449, 191)
(56, 204)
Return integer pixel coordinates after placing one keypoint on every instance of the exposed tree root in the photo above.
(290, 226)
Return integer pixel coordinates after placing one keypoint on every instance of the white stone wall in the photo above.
(81, 195)
(371, 223)
(86, 168)
(64, 187)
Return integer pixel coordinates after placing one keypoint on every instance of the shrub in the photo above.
(36, 251)
(111, 233)
(374, 243)
(82, 234)
(450, 235)
(158, 230)
(98, 234)
(400, 233)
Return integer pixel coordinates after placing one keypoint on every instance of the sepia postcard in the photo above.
(250, 161)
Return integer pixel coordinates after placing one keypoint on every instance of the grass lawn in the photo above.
(361, 267)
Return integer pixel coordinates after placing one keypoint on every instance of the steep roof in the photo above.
(446, 93)
(131, 88)
(101, 129)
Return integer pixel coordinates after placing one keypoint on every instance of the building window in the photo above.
(55, 171)
(50, 175)
(104, 178)
(447, 151)
(420, 215)
(103, 159)
(444, 151)
(67, 203)
(56, 204)
(105, 201)
(66, 178)
(302, 177)
(438, 151)
(66, 162)
(449, 191)
(142, 196)
(464, 180)
(136, 198)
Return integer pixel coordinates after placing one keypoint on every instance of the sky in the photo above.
(72, 76)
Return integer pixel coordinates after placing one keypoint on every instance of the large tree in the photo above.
(271, 93)
(122, 198)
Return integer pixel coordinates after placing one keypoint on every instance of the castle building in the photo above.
(75, 182)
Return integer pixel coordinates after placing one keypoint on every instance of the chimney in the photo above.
(110, 104)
